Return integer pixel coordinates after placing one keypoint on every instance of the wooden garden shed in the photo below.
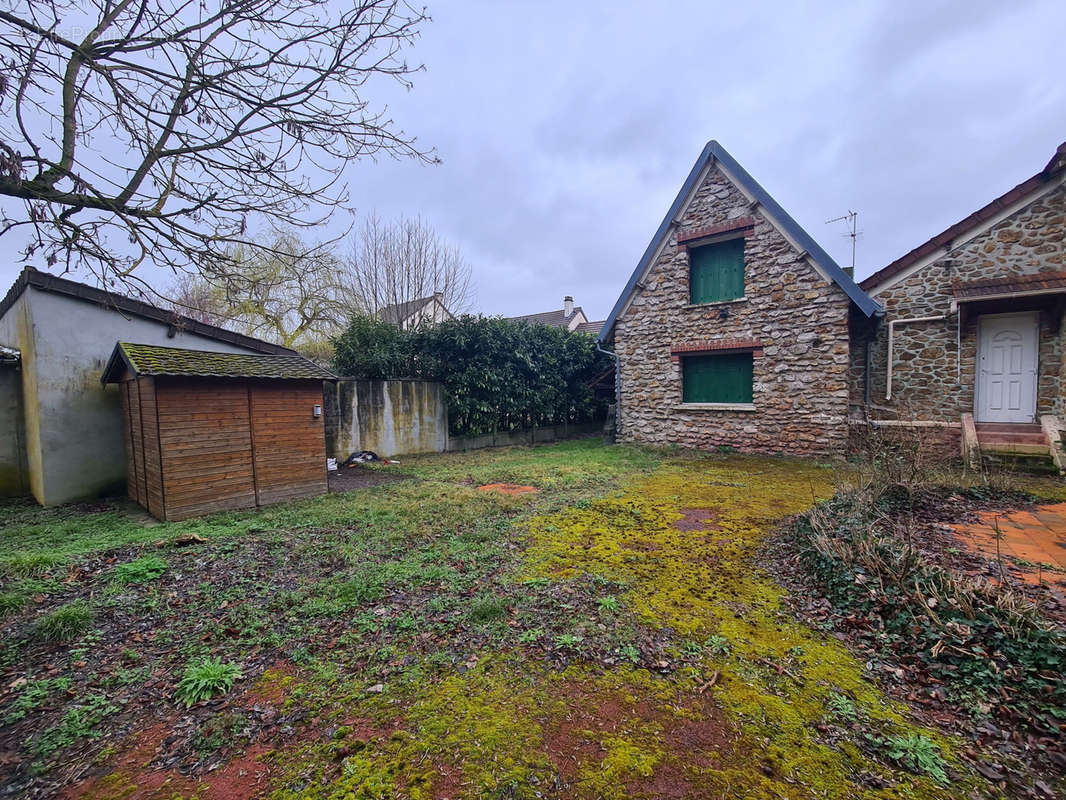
(208, 431)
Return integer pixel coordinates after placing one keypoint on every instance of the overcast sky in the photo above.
(566, 128)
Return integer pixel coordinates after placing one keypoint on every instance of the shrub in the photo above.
(141, 570)
(205, 679)
(497, 374)
(66, 622)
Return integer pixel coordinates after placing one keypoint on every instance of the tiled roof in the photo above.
(128, 305)
(557, 319)
(1010, 284)
(961, 228)
(590, 327)
(150, 359)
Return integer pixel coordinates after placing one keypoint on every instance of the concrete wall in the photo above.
(72, 423)
(14, 478)
(392, 418)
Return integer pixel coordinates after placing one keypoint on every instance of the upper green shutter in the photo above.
(723, 378)
(716, 271)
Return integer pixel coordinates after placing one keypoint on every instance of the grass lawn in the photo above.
(608, 636)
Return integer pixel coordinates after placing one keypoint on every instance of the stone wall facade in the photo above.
(798, 319)
(934, 363)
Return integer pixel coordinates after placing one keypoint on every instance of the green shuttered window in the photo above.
(723, 378)
(716, 271)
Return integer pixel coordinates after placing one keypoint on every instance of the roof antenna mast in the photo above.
(851, 219)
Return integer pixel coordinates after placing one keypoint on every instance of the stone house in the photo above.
(61, 432)
(970, 350)
(734, 328)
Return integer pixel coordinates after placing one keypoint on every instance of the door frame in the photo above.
(978, 390)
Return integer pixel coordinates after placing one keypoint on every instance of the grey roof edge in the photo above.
(120, 361)
(82, 291)
(713, 150)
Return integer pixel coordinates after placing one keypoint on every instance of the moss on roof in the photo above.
(148, 359)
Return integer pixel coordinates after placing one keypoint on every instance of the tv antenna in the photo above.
(851, 220)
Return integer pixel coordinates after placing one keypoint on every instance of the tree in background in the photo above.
(135, 130)
(290, 292)
(395, 262)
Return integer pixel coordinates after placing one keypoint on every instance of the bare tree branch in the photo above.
(393, 263)
(134, 130)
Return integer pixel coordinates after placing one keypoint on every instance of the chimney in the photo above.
(568, 306)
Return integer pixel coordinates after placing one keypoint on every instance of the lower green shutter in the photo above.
(724, 378)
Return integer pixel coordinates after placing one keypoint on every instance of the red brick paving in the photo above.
(1037, 536)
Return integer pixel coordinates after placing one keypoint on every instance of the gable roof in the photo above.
(1052, 169)
(557, 319)
(396, 313)
(154, 360)
(128, 305)
(713, 151)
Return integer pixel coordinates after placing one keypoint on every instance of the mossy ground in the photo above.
(609, 637)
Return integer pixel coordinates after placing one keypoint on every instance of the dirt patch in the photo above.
(358, 476)
(696, 519)
(508, 488)
(700, 738)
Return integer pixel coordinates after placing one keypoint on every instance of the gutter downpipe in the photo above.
(891, 333)
(617, 387)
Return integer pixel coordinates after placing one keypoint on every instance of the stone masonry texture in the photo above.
(933, 378)
(800, 386)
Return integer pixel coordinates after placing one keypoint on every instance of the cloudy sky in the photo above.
(565, 129)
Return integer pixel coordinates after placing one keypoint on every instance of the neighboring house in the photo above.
(569, 316)
(733, 329)
(60, 429)
(973, 327)
(412, 313)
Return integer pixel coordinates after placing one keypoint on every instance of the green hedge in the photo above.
(498, 375)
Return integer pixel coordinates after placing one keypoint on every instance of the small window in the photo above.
(716, 271)
(725, 378)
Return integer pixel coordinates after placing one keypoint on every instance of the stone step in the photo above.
(1008, 427)
(1021, 448)
(1028, 437)
(1036, 464)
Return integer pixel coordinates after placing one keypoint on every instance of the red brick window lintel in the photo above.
(718, 346)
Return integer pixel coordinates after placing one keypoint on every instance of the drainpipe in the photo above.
(617, 388)
(891, 332)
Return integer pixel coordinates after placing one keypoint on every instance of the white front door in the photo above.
(1006, 368)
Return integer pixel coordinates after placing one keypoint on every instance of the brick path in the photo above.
(1037, 537)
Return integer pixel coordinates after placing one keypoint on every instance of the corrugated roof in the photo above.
(154, 360)
(128, 305)
(769, 207)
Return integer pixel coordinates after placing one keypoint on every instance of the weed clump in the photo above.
(66, 622)
(141, 570)
(206, 679)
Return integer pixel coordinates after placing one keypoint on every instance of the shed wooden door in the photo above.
(288, 440)
(206, 440)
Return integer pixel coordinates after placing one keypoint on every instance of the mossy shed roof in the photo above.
(154, 360)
